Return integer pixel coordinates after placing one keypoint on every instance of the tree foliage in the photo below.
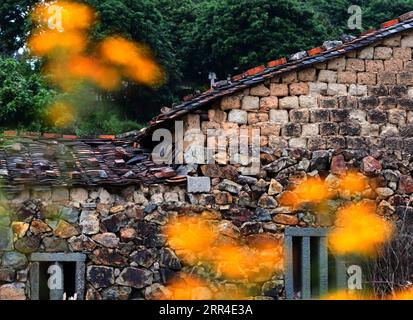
(23, 95)
(14, 24)
(141, 21)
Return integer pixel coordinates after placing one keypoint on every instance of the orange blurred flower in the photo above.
(311, 190)
(135, 60)
(406, 294)
(47, 42)
(191, 236)
(73, 15)
(353, 182)
(346, 295)
(61, 114)
(359, 230)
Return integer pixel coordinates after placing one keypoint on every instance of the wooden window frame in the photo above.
(304, 235)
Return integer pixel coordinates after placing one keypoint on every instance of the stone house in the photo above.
(95, 207)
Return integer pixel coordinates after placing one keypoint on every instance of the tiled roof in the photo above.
(55, 160)
(329, 50)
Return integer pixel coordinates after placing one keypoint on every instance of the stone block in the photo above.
(389, 130)
(404, 54)
(317, 89)
(328, 129)
(366, 53)
(357, 90)
(338, 64)
(398, 91)
(348, 102)
(407, 42)
(255, 117)
(268, 128)
(60, 194)
(327, 76)
(277, 142)
(216, 115)
(260, 91)
(309, 130)
(100, 276)
(374, 65)
(350, 128)
(307, 102)
(268, 103)
(359, 115)
(335, 89)
(238, 116)
(319, 115)
(376, 116)
(230, 102)
(299, 115)
(393, 65)
(291, 130)
(6, 239)
(250, 103)
(383, 53)
(336, 142)
(386, 77)
(289, 103)
(279, 89)
(298, 143)
(316, 143)
(290, 77)
(12, 291)
(192, 122)
(78, 194)
(397, 116)
(347, 77)
(89, 222)
(380, 90)
(44, 194)
(355, 65)
(308, 74)
(355, 143)
(366, 78)
(392, 41)
(405, 78)
(339, 115)
(15, 260)
(198, 184)
(369, 102)
(328, 102)
(300, 88)
(135, 277)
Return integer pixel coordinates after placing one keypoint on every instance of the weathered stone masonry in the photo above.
(354, 112)
(363, 99)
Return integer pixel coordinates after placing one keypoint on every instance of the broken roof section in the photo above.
(55, 160)
(328, 51)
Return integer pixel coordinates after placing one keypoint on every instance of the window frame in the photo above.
(78, 258)
(305, 259)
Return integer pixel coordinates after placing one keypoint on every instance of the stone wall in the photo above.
(363, 99)
(119, 231)
(354, 113)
